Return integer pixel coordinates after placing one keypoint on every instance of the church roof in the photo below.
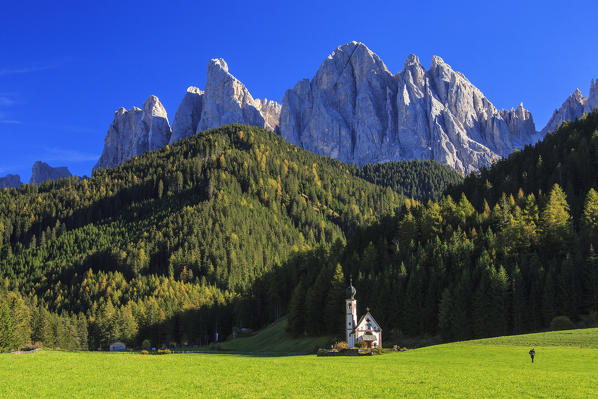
(366, 316)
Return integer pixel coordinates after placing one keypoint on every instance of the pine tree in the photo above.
(127, 325)
(518, 302)
(315, 301)
(548, 298)
(555, 220)
(568, 289)
(590, 282)
(445, 315)
(296, 323)
(335, 303)
(590, 215)
(22, 318)
(462, 307)
(499, 284)
(482, 307)
(8, 337)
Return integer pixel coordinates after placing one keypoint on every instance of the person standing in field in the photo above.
(532, 353)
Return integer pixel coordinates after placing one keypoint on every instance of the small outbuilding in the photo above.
(118, 347)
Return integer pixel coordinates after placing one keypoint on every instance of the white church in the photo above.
(366, 329)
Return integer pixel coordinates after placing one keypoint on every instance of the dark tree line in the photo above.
(419, 180)
(519, 254)
(235, 227)
(568, 157)
(159, 246)
(448, 268)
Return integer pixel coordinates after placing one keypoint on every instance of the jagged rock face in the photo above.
(270, 111)
(153, 131)
(355, 110)
(573, 107)
(41, 172)
(593, 98)
(119, 138)
(225, 100)
(134, 132)
(341, 112)
(188, 114)
(10, 181)
(521, 124)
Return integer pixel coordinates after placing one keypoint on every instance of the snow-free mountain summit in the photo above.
(225, 100)
(353, 109)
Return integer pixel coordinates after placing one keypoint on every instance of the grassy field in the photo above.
(275, 339)
(566, 367)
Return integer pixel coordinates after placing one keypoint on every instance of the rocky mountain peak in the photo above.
(10, 181)
(441, 70)
(593, 97)
(353, 59)
(225, 100)
(411, 59)
(194, 90)
(134, 132)
(413, 70)
(217, 65)
(188, 114)
(521, 125)
(520, 112)
(437, 62)
(153, 107)
(355, 110)
(154, 130)
(573, 107)
(41, 172)
(270, 110)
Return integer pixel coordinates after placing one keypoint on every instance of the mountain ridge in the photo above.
(354, 109)
(375, 116)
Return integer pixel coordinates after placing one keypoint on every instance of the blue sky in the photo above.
(65, 67)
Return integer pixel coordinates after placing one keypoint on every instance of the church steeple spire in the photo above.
(351, 291)
(350, 315)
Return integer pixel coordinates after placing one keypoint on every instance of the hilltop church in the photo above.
(366, 329)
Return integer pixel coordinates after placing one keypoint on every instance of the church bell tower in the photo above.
(351, 315)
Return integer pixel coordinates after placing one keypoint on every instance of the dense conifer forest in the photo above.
(234, 227)
(419, 180)
(177, 233)
(513, 259)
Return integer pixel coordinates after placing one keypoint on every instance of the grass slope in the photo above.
(583, 338)
(275, 339)
(497, 368)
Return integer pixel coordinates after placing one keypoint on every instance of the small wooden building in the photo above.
(117, 347)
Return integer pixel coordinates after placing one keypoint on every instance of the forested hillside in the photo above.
(568, 157)
(420, 180)
(508, 263)
(235, 227)
(175, 234)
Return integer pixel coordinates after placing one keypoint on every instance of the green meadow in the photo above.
(566, 367)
